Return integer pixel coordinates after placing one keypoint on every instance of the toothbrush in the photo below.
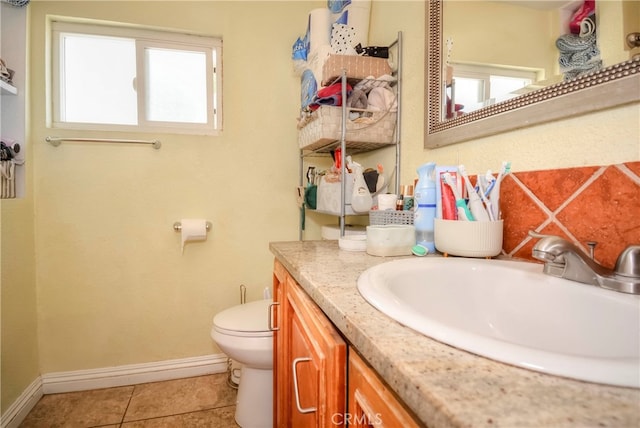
(495, 191)
(490, 180)
(461, 206)
(482, 183)
(487, 182)
(475, 204)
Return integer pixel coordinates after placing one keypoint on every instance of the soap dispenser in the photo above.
(425, 206)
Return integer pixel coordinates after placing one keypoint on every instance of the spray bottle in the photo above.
(425, 206)
(361, 199)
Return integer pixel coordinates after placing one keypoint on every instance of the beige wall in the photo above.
(631, 13)
(506, 34)
(612, 38)
(112, 287)
(20, 365)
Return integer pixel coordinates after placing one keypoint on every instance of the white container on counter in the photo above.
(390, 240)
(469, 238)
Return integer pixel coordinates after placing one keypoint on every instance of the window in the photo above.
(123, 78)
(477, 86)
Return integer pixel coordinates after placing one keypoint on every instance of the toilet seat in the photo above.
(242, 333)
(247, 320)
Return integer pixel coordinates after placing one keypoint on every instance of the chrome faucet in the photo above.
(565, 260)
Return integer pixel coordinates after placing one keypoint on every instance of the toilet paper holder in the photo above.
(177, 226)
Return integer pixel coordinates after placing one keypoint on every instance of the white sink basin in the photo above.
(511, 312)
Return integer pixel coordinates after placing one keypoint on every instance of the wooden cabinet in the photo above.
(280, 390)
(309, 360)
(371, 403)
(310, 370)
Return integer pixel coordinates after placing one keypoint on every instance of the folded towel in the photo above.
(578, 54)
(329, 96)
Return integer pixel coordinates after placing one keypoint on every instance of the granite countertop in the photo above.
(445, 386)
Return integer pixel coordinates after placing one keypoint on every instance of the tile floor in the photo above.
(203, 401)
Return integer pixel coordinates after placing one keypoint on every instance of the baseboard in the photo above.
(82, 380)
(132, 374)
(20, 408)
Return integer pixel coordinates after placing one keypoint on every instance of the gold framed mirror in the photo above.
(612, 86)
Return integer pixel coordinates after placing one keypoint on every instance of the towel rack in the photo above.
(55, 141)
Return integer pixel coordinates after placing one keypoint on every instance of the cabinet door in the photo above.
(305, 368)
(310, 362)
(371, 403)
(280, 374)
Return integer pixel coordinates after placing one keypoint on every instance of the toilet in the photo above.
(243, 334)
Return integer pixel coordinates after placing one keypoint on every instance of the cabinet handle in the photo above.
(270, 314)
(295, 385)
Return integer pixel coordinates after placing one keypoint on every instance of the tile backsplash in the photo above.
(595, 203)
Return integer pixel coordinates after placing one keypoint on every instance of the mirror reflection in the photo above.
(497, 50)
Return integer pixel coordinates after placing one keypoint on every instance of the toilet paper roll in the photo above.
(355, 16)
(193, 229)
(359, 15)
(319, 28)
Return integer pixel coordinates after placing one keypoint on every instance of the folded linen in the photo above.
(382, 99)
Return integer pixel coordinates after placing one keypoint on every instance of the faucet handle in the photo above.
(628, 263)
(534, 234)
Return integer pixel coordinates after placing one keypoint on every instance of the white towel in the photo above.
(382, 99)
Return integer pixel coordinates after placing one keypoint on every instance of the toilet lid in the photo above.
(249, 317)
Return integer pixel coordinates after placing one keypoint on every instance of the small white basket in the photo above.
(382, 217)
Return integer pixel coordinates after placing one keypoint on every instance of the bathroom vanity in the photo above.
(310, 369)
(398, 376)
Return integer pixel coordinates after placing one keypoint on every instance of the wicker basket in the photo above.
(325, 127)
(356, 67)
(377, 217)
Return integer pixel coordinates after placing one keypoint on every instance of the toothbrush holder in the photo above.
(468, 238)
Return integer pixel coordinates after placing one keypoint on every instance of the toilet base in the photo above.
(254, 405)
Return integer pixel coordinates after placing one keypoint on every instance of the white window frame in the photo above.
(144, 38)
(484, 72)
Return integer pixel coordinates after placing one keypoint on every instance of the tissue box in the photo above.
(357, 67)
(328, 198)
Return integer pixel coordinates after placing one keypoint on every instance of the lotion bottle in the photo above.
(408, 198)
(425, 206)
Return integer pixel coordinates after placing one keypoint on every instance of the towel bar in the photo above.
(55, 141)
